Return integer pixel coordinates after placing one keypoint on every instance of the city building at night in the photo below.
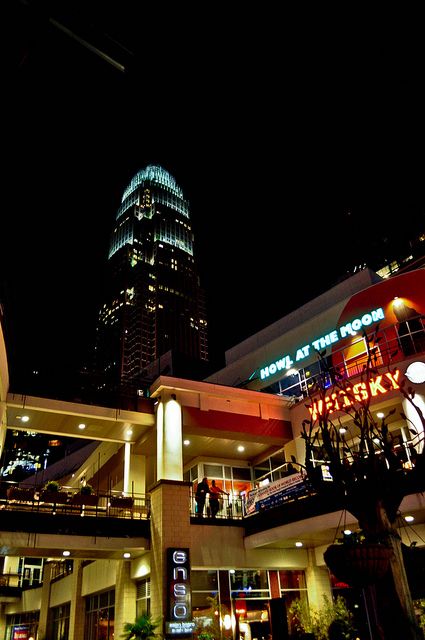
(79, 568)
(153, 318)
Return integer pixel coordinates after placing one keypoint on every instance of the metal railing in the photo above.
(70, 501)
(229, 508)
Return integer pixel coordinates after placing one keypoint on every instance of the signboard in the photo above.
(286, 361)
(275, 493)
(179, 619)
(20, 633)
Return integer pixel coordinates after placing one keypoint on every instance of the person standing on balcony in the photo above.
(214, 498)
(201, 493)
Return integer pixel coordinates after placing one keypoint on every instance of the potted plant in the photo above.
(51, 492)
(144, 628)
(358, 561)
(85, 496)
(310, 623)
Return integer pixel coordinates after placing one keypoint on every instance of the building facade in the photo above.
(234, 575)
(153, 303)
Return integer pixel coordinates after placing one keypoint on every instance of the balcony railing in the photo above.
(230, 508)
(112, 504)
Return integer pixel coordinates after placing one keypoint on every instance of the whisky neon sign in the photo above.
(344, 398)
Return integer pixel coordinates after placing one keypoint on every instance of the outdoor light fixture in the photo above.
(241, 448)
(66, 553)
(380, 414)
(186, 442)
(415, 372)
(409, 518)
(82, 426)
(298, 544)
(126, 555)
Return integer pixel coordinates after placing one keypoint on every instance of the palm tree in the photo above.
(142, 629)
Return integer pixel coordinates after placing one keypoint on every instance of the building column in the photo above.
(170, 528)
(3, 423)
(2, 620)
(125, 595)
(77, 610)
(137, 473)
(44, 600)
(169, 438)
(318, 582)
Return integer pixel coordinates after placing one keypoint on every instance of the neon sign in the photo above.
(179, 593)
(344, 398)
(348, 329)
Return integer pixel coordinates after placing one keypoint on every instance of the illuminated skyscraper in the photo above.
(153, 319)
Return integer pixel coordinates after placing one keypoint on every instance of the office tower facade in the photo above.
(153, 317)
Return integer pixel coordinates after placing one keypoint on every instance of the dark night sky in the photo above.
(301, 155)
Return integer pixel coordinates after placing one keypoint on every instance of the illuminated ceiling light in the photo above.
(66, 553)
(347, 532)
(409, 518)
(343, 430)
(291, 372)
(380, 414)
(241, 448)
(82, 426)
(129, 432)
(186, 442)
(231, 571)
(298, 543)
(25, 418)
(126, 555)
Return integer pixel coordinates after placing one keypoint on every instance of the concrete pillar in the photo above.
(170, 528)
(2, 621)
(137, 473)
(125, 595)
(295, 448)
(318, 582)
(3, 423)
(45, 600)
(169, 438)
(78, 610)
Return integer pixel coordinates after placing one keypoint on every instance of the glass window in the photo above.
(213, 471)
(100, 616)
(249, 583)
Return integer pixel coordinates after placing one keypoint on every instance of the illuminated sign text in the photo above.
(179, 592)
(344, 398)
(348, 329)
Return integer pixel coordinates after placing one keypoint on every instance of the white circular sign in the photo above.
(415, 372)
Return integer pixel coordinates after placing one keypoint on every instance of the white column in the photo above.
(169, 439)
(126, 478)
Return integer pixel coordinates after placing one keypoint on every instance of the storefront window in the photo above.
(143, 597)
(58, 622)
(100, 615)
(22, 623)
(205, 602)
(292, 586)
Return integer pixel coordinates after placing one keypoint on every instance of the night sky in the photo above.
(301, 155)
